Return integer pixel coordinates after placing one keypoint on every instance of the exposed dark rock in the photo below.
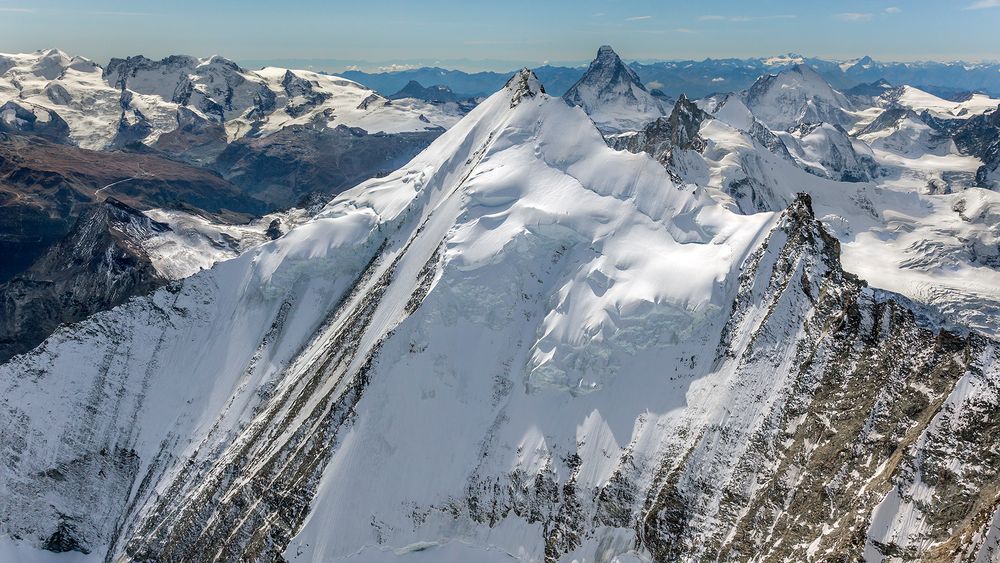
(979, 136)
(18, 119)
(283, 166)
(196, 140)
(44, 187)
(869, 91)
(63, 540)
(523, 85)
(662, 138)
(274, 229)
(98, 265)
(414, 89)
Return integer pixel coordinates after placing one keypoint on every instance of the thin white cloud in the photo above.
(93, 13)
(716, 18)
(4, 9)
(598, 15)
(638, 18)
(893, 10)
(684, 30)
(854, 17)
(396, 67)
(983, 4)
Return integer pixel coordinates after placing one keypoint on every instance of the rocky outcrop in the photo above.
(98, 265)
(436, 93)
(284, 166)
(979, 136)
(196, 139)
(680, 131)
(45, 187)
(843, 427)
(18, 119)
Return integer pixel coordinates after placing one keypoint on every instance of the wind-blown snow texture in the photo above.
(522, 344)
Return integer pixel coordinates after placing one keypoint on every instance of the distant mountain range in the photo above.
(709, 76)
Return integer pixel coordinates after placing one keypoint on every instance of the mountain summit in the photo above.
(612, 94)
(437, 93)
(796, 96)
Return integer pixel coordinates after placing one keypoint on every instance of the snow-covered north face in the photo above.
(613, 96)
(137, 99)
(521, 345)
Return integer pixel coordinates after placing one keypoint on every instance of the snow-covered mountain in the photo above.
(137, 94)
(797, 96)
(614, 97)
(920, 101)
(828, 150)
(902, 219)
(521, 345)
(195, 109)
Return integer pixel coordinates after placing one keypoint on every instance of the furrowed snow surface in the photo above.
(521, 345)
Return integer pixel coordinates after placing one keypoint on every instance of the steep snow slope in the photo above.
(614, 97)
(477, 191)
(520, 345)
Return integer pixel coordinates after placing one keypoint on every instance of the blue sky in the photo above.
(505, 33)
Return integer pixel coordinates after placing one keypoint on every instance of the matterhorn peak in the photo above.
(612, 94)
(605, 54)
(522, 85)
